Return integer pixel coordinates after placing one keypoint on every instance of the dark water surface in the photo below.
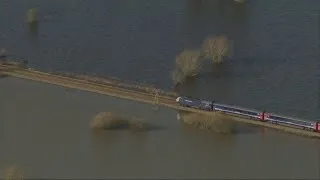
(274, 66)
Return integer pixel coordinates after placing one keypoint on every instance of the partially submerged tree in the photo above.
(215, 48)
(177, 77)
(188, 62)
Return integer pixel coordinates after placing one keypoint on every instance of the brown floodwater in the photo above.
(45, 131)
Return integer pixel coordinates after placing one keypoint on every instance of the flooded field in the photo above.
(45, 131)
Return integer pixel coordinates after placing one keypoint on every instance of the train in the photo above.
(248, 113)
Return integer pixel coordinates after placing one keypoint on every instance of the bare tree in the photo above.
(177, 77)
(188, 62)
(215, 48)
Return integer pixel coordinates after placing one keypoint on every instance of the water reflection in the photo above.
(102, 46)
(33, 29)
(208, 139)
(219, 17)
(195, 6)
(104, 139)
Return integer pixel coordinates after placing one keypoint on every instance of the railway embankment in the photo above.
(126, 90)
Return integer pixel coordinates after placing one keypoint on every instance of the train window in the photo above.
(243, 111)
(280, 119)
(237, 110)
(250, 112)
(219, 107)
(297, 122)
(253, 114)
(225, 108)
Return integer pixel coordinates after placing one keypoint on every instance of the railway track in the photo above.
(130, 94)
(91, 86)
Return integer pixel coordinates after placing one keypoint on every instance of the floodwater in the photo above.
(275, 45)
(274, 66)
(45, 131)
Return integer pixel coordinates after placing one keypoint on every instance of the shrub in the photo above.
(215, 48)
(214, 123)
(109, 121)
(188, 62)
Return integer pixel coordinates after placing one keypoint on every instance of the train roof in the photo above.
(194, 98)
(291, 118)
(252, 110)
(237, 107)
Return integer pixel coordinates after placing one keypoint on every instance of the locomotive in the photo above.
(248, 113)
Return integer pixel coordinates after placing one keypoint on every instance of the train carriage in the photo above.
(316, 127)
(195, 103)
(277, 119)
(252, 114)
(249, 113)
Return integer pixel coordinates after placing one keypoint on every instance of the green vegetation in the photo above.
(110, 121)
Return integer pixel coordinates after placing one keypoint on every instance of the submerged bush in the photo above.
(109, 121)
(215, 48)
(12, 173)
(215, 122)
(188, 62)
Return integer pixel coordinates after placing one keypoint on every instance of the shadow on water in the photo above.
(241, 68)
(206, 138)
(146, 127)
(211, 74)
(108, 140)
(220, 70)
(104, 138)
(239, 128)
